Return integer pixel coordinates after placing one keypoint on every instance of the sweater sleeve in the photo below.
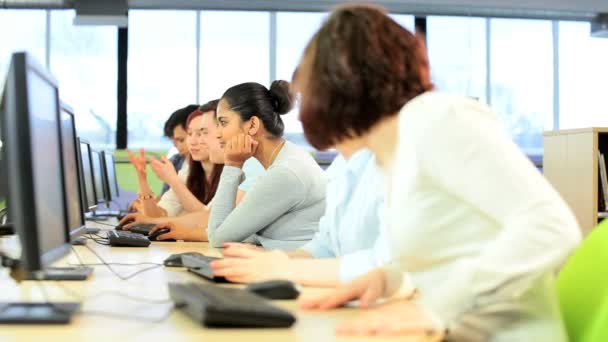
(274, 193)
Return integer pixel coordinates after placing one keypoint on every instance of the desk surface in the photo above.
(105, 314)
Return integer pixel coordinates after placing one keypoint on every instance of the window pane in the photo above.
(457, 54)
(583, 71)
(83, 58)
(406, 20)
(162, 72)
(294, 31)
(522, 78)
(234, 49)
(22, 37)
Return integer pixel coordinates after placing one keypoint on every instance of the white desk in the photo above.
(152, 284)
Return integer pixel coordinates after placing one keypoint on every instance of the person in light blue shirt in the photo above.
(348, 242)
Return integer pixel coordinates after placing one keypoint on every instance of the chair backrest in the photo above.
(582, 286)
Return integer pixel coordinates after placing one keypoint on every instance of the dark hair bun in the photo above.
(282, 96)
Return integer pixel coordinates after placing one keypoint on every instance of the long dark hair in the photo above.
(197, 182)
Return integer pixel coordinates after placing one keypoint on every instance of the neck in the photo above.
(348, 148)
(208, 168)
(382, 140)
(267, 151)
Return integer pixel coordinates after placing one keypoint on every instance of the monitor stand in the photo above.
(63, 273)
(37, 313)
(91, 230)
(7, 229)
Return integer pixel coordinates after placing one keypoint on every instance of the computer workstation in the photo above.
(44, 207)
(36, 200)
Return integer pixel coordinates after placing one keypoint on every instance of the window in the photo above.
(161, 72)
(83, 58)
(19, 37)
(457, 55)
(582, 74)
(521, 72)
(234, 50)
(294, 31)
(405, 20)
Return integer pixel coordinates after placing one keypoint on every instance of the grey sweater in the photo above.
(280, 211)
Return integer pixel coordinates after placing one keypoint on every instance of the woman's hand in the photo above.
(242, 245)
(179, 232)
(367, 289)
(138, 162)
(238, 149)
(135, 205)
(164, 170)
(247, 265)
(396, 318)
(136, 218)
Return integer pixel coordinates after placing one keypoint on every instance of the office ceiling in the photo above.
(541, 9)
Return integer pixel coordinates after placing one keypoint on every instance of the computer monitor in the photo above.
(32, 142)
(2, 167)
(109, 168)
(73, 193)
(98, 176)
(30, 131)
(86, 163)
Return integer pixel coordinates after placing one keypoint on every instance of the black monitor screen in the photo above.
(70, 170)
(111, 174)
(98, 176)
(46, 162)
(87, 175)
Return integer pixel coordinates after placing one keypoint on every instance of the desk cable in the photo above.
(109, 265)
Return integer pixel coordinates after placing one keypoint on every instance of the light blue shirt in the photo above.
(350, 227)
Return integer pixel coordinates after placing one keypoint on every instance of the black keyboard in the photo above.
(199, 265)
(142, 228)
(196, 260)
(215, 306)
(127, 239)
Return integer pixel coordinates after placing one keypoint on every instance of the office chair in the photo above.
(582, 287)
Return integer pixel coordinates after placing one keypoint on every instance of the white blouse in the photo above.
(478, 228)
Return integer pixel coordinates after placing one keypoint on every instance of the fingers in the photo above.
(338, 298)
(369, 297)
(254, 145)
(129, 225)
(161, 225)
(241, 142)
(142, 153)
(312, 303)
(169, 235)
(127, 218)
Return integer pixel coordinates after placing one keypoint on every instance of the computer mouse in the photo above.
(156, 234)
(174, 260)
(119, 227)
(275, 289)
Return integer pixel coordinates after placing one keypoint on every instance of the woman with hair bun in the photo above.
(283, 207)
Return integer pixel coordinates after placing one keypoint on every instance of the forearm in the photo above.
(189, 202)
(299, 254)
(196, 219)
(144, 186)
(150, 208)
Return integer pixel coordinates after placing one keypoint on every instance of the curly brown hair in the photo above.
(360, 67)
